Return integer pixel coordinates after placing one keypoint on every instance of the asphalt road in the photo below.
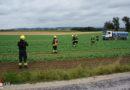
(112, 84)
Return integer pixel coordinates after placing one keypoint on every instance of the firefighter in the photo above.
(55, 43)
(74, 40)
(22, 44)
(92, 40)
(97, 38)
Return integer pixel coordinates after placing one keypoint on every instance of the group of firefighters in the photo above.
(22, 44)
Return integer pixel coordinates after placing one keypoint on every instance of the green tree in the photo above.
(116, 23)
(126, 20)
(108, 25)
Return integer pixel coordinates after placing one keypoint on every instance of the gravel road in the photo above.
(120, 81)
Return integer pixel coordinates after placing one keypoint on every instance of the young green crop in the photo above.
(40, 47)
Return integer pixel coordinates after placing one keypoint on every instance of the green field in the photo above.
(40, 48)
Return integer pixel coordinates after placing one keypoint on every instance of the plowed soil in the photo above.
(64, 64)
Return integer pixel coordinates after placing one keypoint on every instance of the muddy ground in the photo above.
(64, 64)
(44, 33)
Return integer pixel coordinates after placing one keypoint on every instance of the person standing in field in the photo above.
(73, 40)
(92, 40)
(97, 38)
(22, 44)
(54, 44)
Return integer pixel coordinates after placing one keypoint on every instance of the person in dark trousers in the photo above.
(92, 40)
(74, 40)
(97, 38)
(54, 44)
(22, 44)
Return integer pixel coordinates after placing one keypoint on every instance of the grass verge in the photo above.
(51, 75)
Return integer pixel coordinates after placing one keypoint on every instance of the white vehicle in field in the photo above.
(113, 35)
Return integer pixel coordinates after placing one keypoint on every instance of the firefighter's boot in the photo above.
(55, 51)
(20, 65)
(26, 65)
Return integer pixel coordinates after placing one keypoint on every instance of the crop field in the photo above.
(40, 47)
(104, 57)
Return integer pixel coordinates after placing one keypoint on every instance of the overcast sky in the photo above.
(60, 13)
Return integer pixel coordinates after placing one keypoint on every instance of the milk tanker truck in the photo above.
(113, 35)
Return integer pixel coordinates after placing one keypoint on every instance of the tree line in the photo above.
(83, 29)
(114, 24)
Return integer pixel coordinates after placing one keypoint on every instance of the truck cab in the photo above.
(107, 35)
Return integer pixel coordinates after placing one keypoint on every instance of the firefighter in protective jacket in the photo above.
(74, 40)
(55, 43)
(97, 38)
(22, 44)
(92, 40)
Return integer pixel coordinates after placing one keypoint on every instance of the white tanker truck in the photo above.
(113, 35)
